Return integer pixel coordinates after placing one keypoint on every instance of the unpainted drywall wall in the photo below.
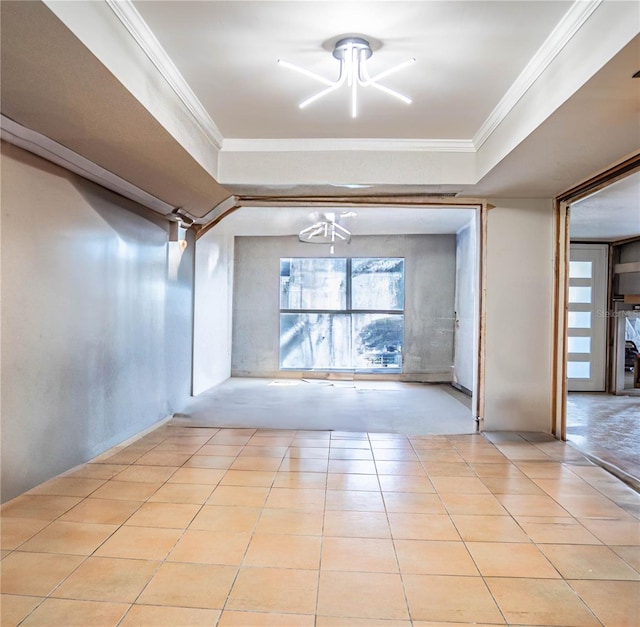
(519, 315)
(212, 310)
(429, 298)
(466, 307)
(96, 320)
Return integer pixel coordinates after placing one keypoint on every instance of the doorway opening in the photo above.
(399, 305)
(599, 303)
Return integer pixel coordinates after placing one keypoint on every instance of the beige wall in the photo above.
(519, 315)
(212, 310)
(96, 320)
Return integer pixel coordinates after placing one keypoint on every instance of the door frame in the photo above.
(617, 171)
(417, 201)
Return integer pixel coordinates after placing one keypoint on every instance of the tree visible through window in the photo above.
(338, 313)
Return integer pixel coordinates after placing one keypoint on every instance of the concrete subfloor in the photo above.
(325, 405)
(607, 428)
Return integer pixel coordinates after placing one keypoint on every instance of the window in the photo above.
(341, 314)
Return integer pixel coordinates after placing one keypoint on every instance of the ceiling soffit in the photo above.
(585, 38)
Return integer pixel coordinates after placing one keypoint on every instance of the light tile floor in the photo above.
(244, 527)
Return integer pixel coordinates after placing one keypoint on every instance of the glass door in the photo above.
(587, 318)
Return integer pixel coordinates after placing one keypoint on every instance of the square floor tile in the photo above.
(209, 461)
(126, 490)
(473, 504)
(15, 531)
(589, 562)
(335, 621)
(613, 602)
(630, 554)
(283, 551)
(434, 557)
(556, 530)
(511, 485)
(351, 453)
(361, 595)
(68, 486)
(94, 470)
(400, 468)
(540, 602)
(614, 532)
(354, 500)
(14, 608)
(234, 618)
(308, 452)
(313, 480)
(511, 559)
(38, 507)
(107, 579)
(35, 573)
(246, 496)
(189, 585)
(350, 466)
(148, 474)
(290, 521)
(591, 506)
(248, 477)
(349, 481)
(168, 515)
(446, 469)
(70, 538)
(352, 524)
(163, 458)
(422, 527)
(450, 598)
(459, 485)
(488, 528)
(256, 463)
(182, 493)
(200, 476)
(225, 518)
(299, 464)
(413, 503)
(531, 505)
(292, 498)
(165, 616)
(144, 543)
(221, 450)
(76, 613)
(395, 483)
(484, 469)
(359, 554)
(211, 547)
(274, 590)
(101, 511)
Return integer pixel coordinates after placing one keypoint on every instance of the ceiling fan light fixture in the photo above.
(352, 53)
(325, 231)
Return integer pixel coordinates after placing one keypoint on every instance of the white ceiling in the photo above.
(381, 220)
(610, 214)
(460, 75)
(185, 100)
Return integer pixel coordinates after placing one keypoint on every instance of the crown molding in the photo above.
(52, 151)
(331, 145)
(140, 31)
(566, 28)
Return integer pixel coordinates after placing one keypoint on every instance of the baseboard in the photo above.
(462, 389)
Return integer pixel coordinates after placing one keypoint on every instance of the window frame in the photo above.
(349, 311)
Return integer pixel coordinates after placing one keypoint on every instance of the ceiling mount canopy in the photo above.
(352, 53)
